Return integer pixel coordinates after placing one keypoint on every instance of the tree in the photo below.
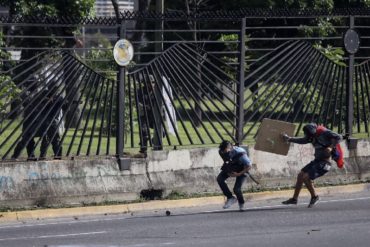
(41, 9)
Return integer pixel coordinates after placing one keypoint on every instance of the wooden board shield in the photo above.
(269, 136)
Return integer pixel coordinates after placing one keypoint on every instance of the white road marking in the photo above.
(53, 236)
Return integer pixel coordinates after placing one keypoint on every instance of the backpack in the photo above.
(337, 153)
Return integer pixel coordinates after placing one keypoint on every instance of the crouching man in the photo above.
(236, 164)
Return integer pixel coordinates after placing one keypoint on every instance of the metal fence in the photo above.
(195, 79)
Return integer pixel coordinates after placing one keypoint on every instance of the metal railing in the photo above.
(196, 79)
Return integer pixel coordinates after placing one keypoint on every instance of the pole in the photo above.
(241, 76)
(158, 139)
(349, 87)
(120, 107)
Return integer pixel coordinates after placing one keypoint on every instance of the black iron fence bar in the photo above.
(110, 117)
(239, 109)
(306, 83)
(147, 102)
(206, 77)
(366, 81)
(215, 68)
(321, 92)
(287, 48)
(77, 26)
(87, 74)
(334, 109)
(200, 16)
(143, 92)
(355, 76)
(188, 70)
(291, 68)
(68, 86)
(160, 81)
(160, 67)
(266, 54)
(97, 84)
(140, 124)
(362, 75)
(130, 109)
(174, 75)
(305, 70)
(316, 79)
(27, 129)
(20, 84)
(281, 63)
(316, 104)
(295, 38)
(51, 76)
(95, 76)
(97, 109)
(19, 65)
(9, 81)
(156, 105)
(178, 71)
(344, 75)
(102, 119)
(330, 109)
(328, 84)
(54, 48)
(291, 27)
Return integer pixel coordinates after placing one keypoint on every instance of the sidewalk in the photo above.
(165, 204)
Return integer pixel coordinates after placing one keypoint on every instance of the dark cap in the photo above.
(310, 129)
(224, 144)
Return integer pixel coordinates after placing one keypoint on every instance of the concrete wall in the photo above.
(190, 171)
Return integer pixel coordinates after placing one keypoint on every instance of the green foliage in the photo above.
(334, 54)
(6, 84)
(75, 8)
(231, 45)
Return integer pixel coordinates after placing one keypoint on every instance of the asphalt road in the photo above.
(338, 220)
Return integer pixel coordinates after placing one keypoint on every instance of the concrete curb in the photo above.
(165, 204)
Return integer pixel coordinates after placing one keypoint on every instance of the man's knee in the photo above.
(237, 190)
(220, 178)
(303, 176)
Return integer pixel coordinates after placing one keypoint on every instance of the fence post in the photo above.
(241, 76)
(159, 25)
(120, 108)
(349, 86)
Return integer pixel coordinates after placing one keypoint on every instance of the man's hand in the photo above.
(234, 174)
(285, 137)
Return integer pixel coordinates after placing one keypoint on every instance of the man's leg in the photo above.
(301, 178)
(31, 149)
(145, 136)
(238, 189)
(298, 186)
(57, 149)
(18, 149)
(44, 144)
(309, 184)
(221, 178)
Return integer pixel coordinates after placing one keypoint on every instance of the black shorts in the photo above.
(316, 168)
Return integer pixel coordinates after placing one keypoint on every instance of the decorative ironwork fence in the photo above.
(195, 79)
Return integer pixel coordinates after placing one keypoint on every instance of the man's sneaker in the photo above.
(313, 201)
(292, 201)
(229, 202)
(241, 206)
